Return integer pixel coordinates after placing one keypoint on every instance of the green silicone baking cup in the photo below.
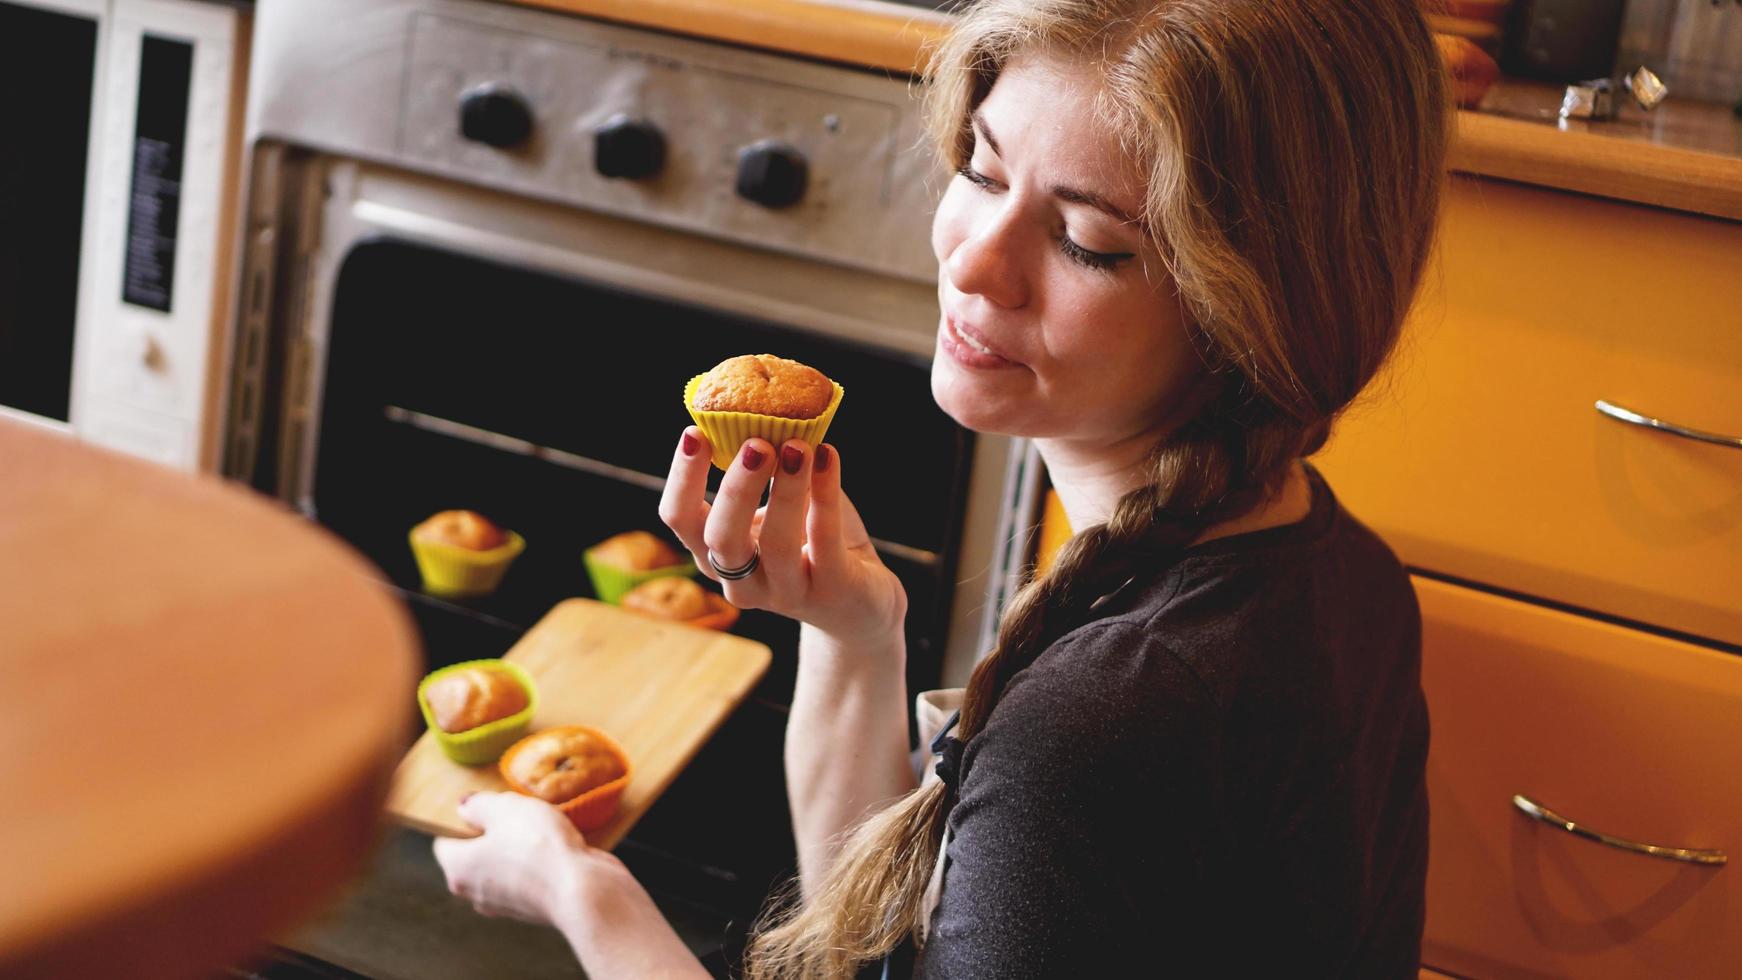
(611, 583)
(486, 743)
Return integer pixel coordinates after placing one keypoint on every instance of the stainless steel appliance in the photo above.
(485, 247)
(118, 176)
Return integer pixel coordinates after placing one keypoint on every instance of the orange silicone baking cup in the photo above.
(592, 809)
(727, 431)
(720, 617)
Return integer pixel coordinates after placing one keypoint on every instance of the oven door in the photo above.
(438, 346)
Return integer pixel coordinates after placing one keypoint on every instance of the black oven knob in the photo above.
(495, 116)
(629, 148)
(772, 174)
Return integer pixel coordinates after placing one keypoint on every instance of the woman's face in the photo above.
(1058, 320)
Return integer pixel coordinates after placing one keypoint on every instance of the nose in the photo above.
(987, 261)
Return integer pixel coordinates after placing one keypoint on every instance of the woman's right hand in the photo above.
(818, 565)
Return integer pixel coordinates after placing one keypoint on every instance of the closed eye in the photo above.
(1101, 261)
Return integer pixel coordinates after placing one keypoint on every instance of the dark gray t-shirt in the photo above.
(1222, 775)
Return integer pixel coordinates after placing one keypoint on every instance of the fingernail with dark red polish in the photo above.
(791, 459)
(753, 458)
(825, 459)
(690, 444)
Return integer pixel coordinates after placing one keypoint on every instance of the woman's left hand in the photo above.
(530, 863)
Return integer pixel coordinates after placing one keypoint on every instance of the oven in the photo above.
(485, 247)
(118, 179)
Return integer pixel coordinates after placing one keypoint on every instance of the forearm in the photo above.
(617, 932)
(846, 741)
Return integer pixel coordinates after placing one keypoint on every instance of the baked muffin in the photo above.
(475, 710)
(474, 696)
(760, 396)
(764, 385)
(668, 598)
(681, 600)
(620, 563)
(579, 769)
(559, 764)
(462, 553)
(636, 551)
(461, 528)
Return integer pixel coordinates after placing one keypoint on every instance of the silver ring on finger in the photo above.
(742, 571)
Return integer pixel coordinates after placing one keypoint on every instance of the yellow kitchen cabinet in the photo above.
(1628, 732)
(1480, 453)
(1580, 578)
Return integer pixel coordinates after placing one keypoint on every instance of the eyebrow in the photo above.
(1063, 192)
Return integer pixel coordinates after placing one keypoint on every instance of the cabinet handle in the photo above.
(1692, 855)
(1631, 417)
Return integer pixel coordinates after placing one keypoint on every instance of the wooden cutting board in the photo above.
(660, 689)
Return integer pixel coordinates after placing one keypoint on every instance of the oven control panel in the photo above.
(157, 230)
(816, 160)
(750, 147)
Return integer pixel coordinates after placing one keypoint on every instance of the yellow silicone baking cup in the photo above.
(726, 431)
(451, 571)
(486, 743)
(611, 583)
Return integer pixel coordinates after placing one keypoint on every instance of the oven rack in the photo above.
(595, 467)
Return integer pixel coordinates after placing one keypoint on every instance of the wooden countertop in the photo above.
(204, 697)
(1682, 155)
(1686, 156)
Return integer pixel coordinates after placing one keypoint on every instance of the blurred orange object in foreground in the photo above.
(1472, 70)
(204, 698)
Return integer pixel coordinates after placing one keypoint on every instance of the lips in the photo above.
(969, 346)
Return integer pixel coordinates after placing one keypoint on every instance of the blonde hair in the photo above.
(1294, 155)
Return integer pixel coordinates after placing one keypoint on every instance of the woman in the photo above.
(1182, 238)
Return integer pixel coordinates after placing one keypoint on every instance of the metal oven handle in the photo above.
(1692, 855)
(1631, 417)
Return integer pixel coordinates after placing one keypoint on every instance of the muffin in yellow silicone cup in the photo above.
(460, 553)
(623, 561)
(471, 691)
(761, 396)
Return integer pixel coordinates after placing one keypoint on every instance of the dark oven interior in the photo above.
(434, 357)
